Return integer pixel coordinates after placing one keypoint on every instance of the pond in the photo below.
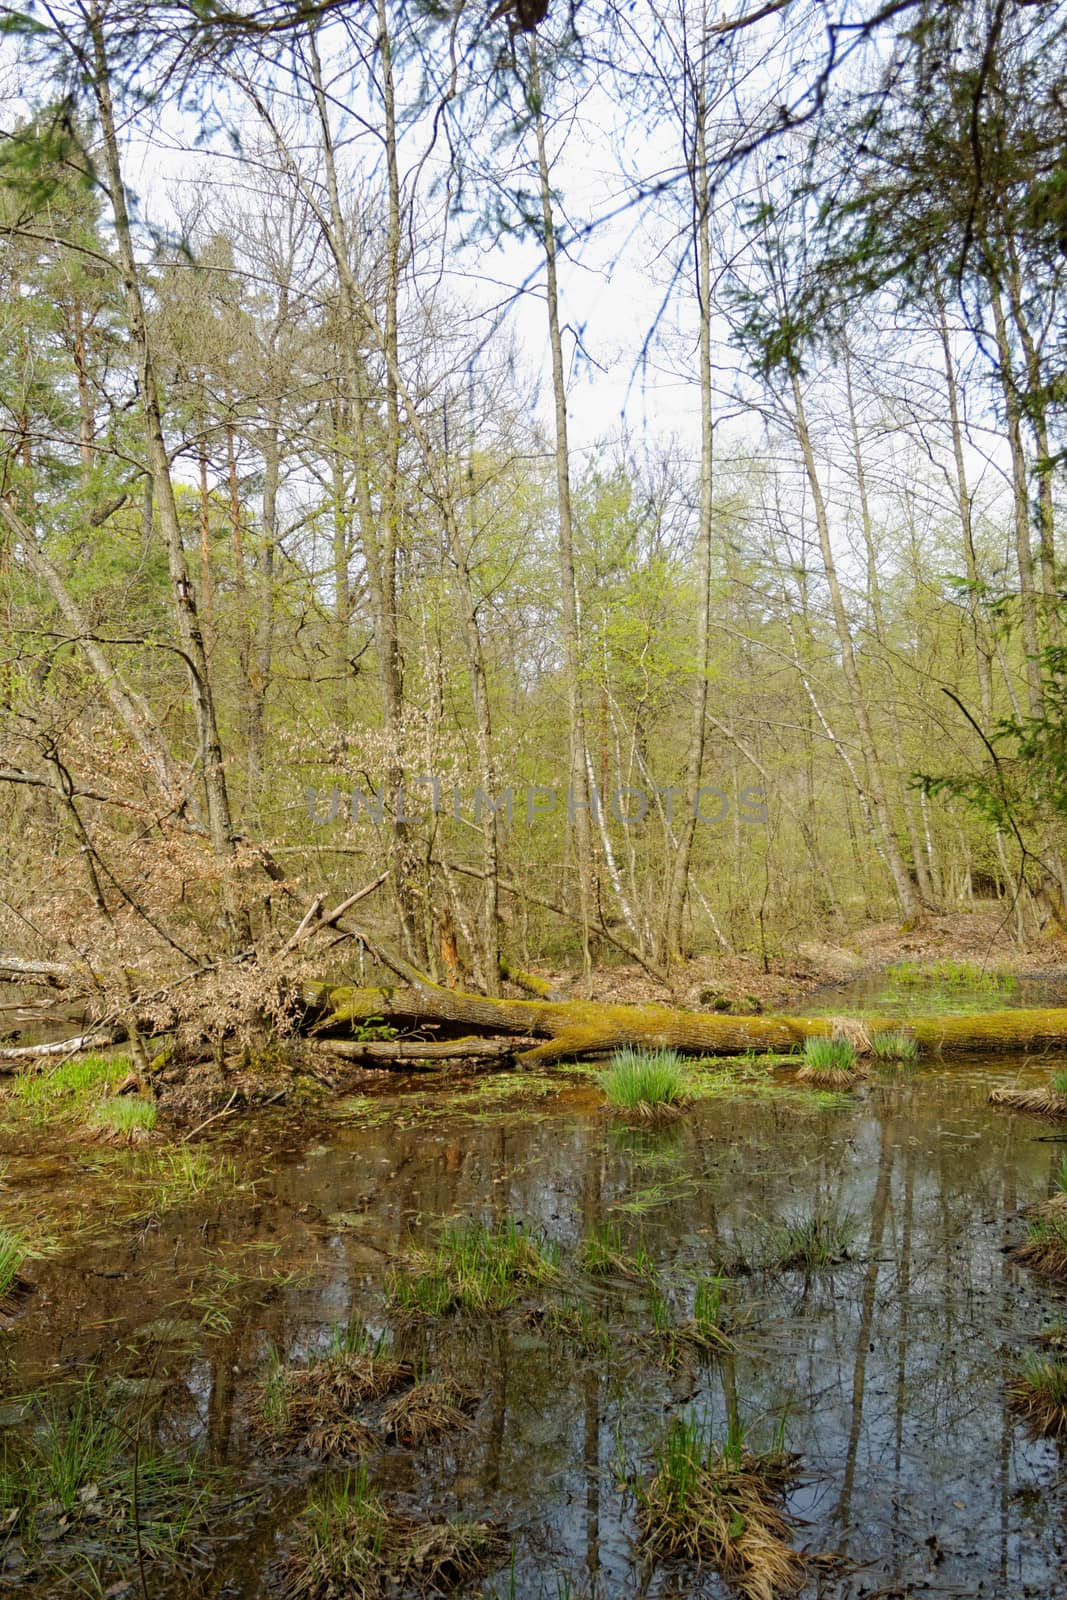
(166, 1307)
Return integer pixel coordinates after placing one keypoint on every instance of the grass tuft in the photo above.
(809, 1243)
(351, 1545)
(474, 1269)
(1046, 1102)
(76, 1475)
(706, 1328)
(1045, 1247)
(13, 1257)
(428, 1410)
(721, 1504)
(601, 1252)
(45, 1093)
(894, 1046)
(126, 1119)
(1039, 1393)
(650, 1084)
(316, 1410)
(829, 1062)
(576, 1322)
(342, 1540)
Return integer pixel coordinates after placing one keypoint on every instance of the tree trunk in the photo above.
(874, 595)
(220, 824)
(697, 161)
(578, 796)
(584, 1027)
(1020, 498)
(875, 780)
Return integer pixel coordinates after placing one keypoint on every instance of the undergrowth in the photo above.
(721, 1504)
(1039, 1393)
(809, 1243)
(351, 1544)
(74, 1469)
(646, 1083)
(474, 1268)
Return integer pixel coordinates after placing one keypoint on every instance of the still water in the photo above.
(885, 1373)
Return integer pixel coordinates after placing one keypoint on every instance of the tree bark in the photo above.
(875, 779)
(579, 797)
(697, 161)
(574, 1028)
(220, 823)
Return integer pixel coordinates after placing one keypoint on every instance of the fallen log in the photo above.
(404, 1050)
(580, 1027)
(13, 969)
(99, 1040)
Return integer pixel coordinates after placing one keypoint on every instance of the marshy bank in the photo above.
(454, 1325)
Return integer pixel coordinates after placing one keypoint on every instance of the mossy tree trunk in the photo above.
(586, 1027)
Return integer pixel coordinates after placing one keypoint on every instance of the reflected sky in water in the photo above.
(887, 1372)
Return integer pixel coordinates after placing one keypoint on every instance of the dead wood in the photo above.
(385, 1051)
(99, 1040)
(583, 1027)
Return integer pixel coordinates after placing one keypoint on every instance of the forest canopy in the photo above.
(314, 581)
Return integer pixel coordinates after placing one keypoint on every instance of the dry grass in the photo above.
(1041, 1102)
(828, 1077)
(722, 1506)
(427, 1410)
(315, 1410)
(1045, 1246)
(433, 1556)
(853, 1031)
(1039, 1394)
(352, 1547)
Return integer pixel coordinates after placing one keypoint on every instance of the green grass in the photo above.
(13, 1256)
(702, 1331)
(721, 1504)
(894, 1046)
(73, 1468)
(1059, 1082)
(274, 1406)
(950, 974)
(354, 1338)
(343, 1537)
(645, 1080)
(125, 1114)
(829, 1055)
(1039, 1393)
(352, 1545)
(474, 1269)
(175, 1177)
(659, 1306)
(601, 1252)
(707, 1314)
(54, 1092)
(581, 1325)
(809, 1243)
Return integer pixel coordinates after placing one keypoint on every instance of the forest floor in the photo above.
(983, 938)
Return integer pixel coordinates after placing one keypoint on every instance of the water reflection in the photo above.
(888, 1370)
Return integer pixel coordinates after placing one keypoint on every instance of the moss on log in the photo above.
(580, 1027)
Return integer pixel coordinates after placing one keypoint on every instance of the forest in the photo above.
(530, 544)
(305, 585)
